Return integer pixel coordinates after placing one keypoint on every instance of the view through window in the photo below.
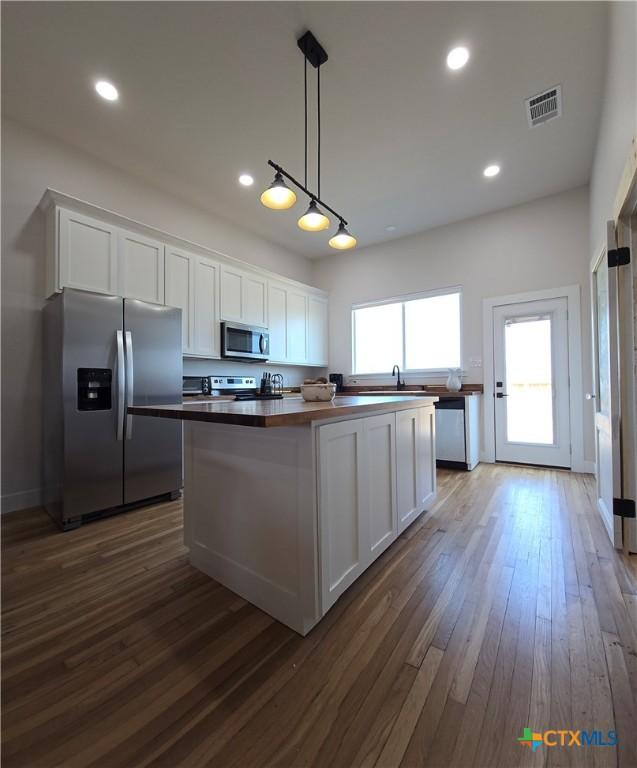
(421, 333)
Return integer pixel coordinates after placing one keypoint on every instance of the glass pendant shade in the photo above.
(313, 220)
(342, 240)
(278, 195)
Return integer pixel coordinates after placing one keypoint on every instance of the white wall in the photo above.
(32, 162)
(618, 122)
(542, 244)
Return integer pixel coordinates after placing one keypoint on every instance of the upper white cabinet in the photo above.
(192, 284)
(297, 321)
(87, 253)
(317, 332)
(180, 292)
(288, 324)
(243, 297)
(207, 328)
(93, 249)
(141, 267)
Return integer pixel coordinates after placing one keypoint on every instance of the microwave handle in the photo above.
(262, 344)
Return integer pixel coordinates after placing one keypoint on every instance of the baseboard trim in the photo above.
(13, 502)
(585, 467)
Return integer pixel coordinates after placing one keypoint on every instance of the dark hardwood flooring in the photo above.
(504, 607)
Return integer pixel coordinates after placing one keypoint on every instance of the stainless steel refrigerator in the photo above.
(102, 354)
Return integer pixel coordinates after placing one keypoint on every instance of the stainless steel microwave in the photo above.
(244, 342)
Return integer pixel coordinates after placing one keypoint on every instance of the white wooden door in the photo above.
(180, 292)
(277, 322)
(532, 401)
(141, 267)
(296, 326)
(317, 330)
(380, 439)
(607, 392)
(87, 253)
(343, 503)
(206, 325)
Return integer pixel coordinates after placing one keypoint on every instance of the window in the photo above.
(421, 333)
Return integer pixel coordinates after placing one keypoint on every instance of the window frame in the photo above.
(419, 372)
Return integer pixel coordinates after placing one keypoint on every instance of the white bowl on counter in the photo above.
(313, 393)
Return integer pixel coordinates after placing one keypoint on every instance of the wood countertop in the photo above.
(278, 413)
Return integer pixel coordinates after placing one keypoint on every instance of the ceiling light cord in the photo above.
(305, 90)
(318, 115)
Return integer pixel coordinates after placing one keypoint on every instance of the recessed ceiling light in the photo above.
(491, 170)
(390, 228)
(106, 90)
(457, 57)
(246, 180)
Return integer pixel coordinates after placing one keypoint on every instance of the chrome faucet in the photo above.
(396, 372)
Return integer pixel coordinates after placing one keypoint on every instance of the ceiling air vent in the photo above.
(544, 106)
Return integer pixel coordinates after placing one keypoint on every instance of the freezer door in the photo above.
(152, 447)
(93, 458)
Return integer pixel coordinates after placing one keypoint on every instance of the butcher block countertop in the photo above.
(279, 413)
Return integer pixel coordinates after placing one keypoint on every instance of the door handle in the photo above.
(500, 394)
(129, 383)
(121, 385)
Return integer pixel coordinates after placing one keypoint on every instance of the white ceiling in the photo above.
(211, 89)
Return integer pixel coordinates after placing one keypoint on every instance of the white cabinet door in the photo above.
(277, 316)
(317, 330)
(254, 298)
(243, 297)
(141, 267)
(296, 326)
(427, 456)
(415, 463)
(180, 292)
(87, 253)
(380, 439)
(343, 490)
(207, 332)
(231, 294)
(407, 470)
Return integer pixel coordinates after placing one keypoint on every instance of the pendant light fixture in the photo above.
(342, 240)
(313, 220)
(278, 196)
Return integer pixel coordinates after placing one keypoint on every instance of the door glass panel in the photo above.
(529, 380)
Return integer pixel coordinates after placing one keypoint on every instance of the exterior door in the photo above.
(152, 447)
(532, 408)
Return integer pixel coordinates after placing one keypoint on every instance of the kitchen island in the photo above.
(287, 503)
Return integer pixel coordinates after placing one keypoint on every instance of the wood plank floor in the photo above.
(504, 607)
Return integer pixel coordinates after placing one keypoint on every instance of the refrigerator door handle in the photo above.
(121, 385)
(129, 383)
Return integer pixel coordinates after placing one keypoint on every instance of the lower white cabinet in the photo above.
(192, 284)
(343, 512)
(376, 475)
(380, 446)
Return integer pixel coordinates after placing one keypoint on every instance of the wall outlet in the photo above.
(475, 362)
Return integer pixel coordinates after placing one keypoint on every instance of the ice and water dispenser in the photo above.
(94, 389)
